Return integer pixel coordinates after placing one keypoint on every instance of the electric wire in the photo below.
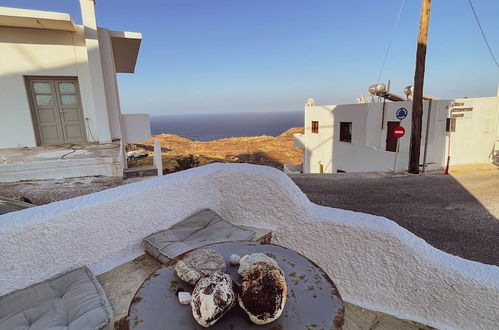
(483, 33)
(90, 130)
(391, 39)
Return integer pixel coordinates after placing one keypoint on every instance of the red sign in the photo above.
(398, 132)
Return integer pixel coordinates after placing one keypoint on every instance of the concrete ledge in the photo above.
(375, 263)
(60, 169)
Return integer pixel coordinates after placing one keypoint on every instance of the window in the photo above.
(315, 127)
(345, 131)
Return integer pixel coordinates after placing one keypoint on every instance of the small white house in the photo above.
(58, 79)
(359, 137)
(58, 88)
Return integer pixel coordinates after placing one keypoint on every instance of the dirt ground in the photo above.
(47, 191)
(178, 153)
(181, 153)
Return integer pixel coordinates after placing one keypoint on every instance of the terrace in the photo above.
(60, 161)
(376, 264)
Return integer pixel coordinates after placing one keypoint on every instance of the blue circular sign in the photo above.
(401, 113)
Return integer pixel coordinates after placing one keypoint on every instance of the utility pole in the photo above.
(417, 101)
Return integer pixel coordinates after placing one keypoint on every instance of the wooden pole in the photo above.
(417, 101)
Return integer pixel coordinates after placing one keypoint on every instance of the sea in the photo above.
(207, 127)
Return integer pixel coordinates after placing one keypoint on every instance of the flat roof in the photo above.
(35, 19)
(126, 47)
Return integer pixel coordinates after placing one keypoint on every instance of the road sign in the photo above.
(398, 132)
(401, 113)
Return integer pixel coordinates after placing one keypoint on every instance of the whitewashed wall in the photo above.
(136, 127)
(38, 52)
(318, 146)
(31, 52)
(471, 143)
(110, 83)
(375, 263)
(367, 151)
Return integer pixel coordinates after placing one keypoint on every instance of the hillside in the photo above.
(181, 153)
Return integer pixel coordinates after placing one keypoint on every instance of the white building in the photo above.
(58, 80)
(359, 137)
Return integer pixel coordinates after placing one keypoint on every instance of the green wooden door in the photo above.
(57, 111)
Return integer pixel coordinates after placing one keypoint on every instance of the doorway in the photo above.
(391, 141)
(56, 110)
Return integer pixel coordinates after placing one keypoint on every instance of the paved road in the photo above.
(457, 214)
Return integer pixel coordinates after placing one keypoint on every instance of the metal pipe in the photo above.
(426, 135)
(383, 114)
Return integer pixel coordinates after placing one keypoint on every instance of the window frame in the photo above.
(315, 126)
(342, 138)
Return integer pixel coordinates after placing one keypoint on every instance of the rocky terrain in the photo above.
(181, 153)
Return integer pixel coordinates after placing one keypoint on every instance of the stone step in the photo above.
(60, 169)
(140, 172)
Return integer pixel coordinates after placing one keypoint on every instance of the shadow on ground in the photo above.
(436, 207)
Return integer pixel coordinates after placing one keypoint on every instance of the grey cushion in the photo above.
(202, 228)
(73, 300)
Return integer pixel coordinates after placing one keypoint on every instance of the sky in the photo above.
(222, 56)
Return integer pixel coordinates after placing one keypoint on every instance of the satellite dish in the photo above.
(381, 88)
(409, 90)
(377, 89)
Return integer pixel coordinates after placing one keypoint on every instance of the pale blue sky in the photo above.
(204, 56)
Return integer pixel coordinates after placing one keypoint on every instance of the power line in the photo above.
(391, 39)
(483, 33)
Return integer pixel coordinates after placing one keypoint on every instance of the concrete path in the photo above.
(455, 213)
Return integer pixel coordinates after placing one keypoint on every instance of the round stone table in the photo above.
(313, 302)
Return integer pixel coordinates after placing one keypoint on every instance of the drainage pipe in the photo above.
(426, 135)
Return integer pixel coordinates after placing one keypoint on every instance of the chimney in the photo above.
(95, 70)
(88, 15)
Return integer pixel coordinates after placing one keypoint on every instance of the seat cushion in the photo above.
(74, 300)
(202, 228)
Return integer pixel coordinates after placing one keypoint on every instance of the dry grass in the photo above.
(181, 153)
